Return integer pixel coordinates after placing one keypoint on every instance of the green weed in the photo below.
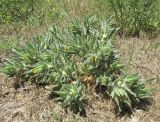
(72, 96)
(81, 55)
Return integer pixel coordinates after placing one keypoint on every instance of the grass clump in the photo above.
(15, 10)
(6, 45)
(73, 58)
(135, 16)
(30, 11)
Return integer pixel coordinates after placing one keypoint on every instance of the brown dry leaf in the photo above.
(88, 80)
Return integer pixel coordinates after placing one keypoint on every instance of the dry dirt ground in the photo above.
(33, 104)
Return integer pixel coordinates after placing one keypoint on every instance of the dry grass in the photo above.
(32, 104)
